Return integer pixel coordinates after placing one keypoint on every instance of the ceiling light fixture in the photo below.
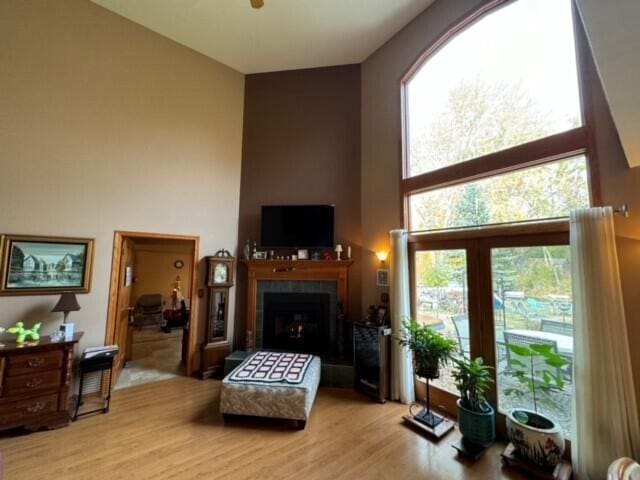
(257, 3)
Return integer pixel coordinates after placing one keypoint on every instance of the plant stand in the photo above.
(427, 421)
(562, 471)
(468, 449)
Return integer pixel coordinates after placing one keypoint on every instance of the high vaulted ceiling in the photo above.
(283, 35)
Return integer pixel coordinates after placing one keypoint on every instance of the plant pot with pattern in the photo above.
(538, 372)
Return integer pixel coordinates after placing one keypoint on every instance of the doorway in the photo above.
(152, 307)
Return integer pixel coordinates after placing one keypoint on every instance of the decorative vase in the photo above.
(541, 443)
(477, 427)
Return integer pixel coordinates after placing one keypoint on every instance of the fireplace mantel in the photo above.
(291, 270)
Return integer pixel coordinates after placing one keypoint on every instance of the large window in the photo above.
(508, 79)
(501, 95)
(541, 192)
(534, 307)
(495, 137)
(442, 301)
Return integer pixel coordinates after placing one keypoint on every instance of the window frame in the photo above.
(479, 240)
(577, 141)
(478, 246)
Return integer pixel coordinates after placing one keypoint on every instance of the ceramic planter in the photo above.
(542, 445)
(477, 427)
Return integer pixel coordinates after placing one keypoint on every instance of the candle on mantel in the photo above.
(349, 252)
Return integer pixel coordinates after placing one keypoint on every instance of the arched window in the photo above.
(495, 156)
(507, 82)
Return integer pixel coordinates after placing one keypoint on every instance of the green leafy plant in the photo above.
(473, 379)
(537, 375)
(430, 349)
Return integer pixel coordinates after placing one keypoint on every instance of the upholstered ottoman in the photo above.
(272, 384)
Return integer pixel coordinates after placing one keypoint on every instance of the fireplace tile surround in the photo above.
(293, 276)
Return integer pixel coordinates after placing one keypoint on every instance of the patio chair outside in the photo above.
(461, 324)
(560, 328)
(526, 341)
(438, 327)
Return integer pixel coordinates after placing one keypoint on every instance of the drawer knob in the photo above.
(36, 407)
(34, 382)
(36, 362)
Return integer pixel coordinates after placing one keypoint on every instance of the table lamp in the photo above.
(67, 303)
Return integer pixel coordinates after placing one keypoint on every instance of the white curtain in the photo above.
(401, 368)
(605, 411)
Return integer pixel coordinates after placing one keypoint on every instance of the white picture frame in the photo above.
(382, 277)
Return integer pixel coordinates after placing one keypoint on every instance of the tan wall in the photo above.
(302, 146)
(381, 129)
(155, 272)
(105, 125)
(381, 155)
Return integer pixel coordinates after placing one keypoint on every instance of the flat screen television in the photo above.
(297, 226)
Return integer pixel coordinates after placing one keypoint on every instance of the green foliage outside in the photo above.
(481, 118)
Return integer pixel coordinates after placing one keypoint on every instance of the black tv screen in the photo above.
(298, 226)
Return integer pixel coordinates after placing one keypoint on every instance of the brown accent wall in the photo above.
(620, 184)
(381, 156)
(301, 145)
(104, 126)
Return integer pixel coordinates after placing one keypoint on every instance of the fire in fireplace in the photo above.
(297, 322)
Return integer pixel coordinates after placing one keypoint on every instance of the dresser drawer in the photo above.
(34, 362)
(25, 384)
(17, 412)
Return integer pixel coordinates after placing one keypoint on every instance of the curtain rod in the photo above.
(622, 210)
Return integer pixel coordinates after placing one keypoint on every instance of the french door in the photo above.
(490, 293)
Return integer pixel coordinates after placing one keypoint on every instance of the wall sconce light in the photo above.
(382, 256)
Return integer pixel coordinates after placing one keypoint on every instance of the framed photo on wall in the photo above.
(34, 265)
(382, 277)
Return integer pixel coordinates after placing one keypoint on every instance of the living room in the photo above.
(190, 120)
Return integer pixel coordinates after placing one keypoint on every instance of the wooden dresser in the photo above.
(35, 382)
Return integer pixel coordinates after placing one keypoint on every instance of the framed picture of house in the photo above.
(33, 265)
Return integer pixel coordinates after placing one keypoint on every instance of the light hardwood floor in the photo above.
(172, 430)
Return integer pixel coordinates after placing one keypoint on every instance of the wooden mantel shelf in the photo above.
(307, 264)
(290, 270)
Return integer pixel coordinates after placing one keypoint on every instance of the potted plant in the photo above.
(536, 437)
(476, 417)
(430, 350)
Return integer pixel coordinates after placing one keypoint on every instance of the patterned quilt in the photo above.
(272, 367)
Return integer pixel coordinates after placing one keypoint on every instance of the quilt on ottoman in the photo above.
(272, 384)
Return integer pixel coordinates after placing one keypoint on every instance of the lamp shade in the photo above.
(67, 303)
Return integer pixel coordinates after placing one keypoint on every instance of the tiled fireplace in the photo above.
(299, 306)
(297, 316)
